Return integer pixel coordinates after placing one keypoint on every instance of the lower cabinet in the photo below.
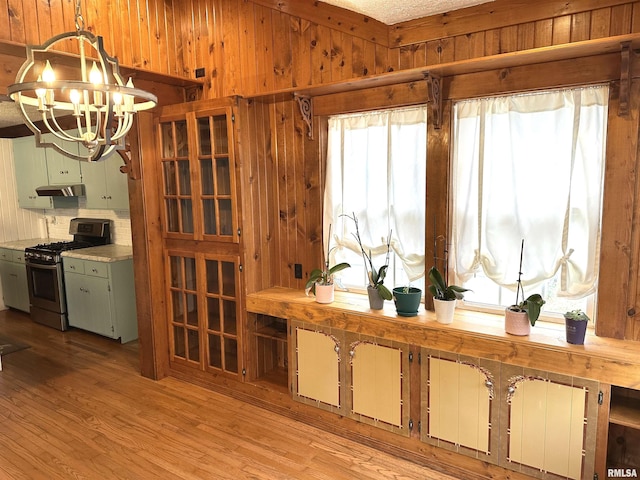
(13, 276)
(537, 423)
(100, 297)
(364, 378)
(460, 400)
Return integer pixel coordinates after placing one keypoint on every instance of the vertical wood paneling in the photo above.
(580, 26)
(248, 45)
(526, 36)
(300, 52)
(621, 19)
(543, 33)
(600, 22)
(281, 67)
(230, 81)
(320, 60)
(16, 21)
(509, 39)
(5, 29)
(562, 29)
(44, 20)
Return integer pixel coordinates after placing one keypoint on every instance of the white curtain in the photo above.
(376, 168)
(530, 167)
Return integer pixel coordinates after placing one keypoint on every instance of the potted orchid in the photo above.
(320, 281)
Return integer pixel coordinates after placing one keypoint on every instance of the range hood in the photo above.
(61, 190)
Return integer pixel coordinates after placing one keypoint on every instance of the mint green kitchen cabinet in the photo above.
(106, 187)
(31, 172)
(13, 276)
(61, 169)
(100, 297)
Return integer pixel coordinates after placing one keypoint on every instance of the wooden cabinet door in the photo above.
(378, 382)
(459, 407)
(550, 424)
(31, 172)
(316, 373)
(89, 303)
(106, 187)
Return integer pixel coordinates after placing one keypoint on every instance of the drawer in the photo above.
(73, 265)
(6, 254)
(18, 256)
(96, 269)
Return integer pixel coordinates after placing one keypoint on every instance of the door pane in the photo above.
(223, 176)
(182, 144)
(169, 171)
(184, 177)
(226, 217)
(213, 314)
(173, 224)
(167, 140)
(204, 136)
(231, 355)
(178, 342)
(178, 307)
(192, 310)
(193, 340)
(229, 279)
(176, 271)
(220, 134)
(209, 213)
(190, 273)
(206, 172)
(215, 351)
(229, 317)
(187, 215)
(213, 285)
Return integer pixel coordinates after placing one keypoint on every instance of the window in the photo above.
(529, 167)
(376, 169)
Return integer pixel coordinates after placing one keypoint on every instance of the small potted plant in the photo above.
(376, 290)
(576, 326)
(407, 300)
(444, 296)
(320, 281)
(522, 315)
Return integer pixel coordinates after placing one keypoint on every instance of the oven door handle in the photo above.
(42, 266)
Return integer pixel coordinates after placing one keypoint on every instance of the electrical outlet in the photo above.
(297, 270)
(199, 72)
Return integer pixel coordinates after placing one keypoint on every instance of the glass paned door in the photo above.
(216, 176)
(222, 314)
(176, 176)
(183, 309)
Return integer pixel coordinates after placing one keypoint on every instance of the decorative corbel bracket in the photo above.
(434, 98)
(625, 78)
(128, 167)
(306, 110)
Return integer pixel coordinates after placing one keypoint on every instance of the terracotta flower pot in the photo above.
(324, 293)
(516, 323)
(444, 310)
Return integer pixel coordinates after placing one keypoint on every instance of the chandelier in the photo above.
(99, 104)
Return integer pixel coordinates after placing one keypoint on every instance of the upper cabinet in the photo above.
(61, 169)
(105, 185)
(31, 173)
(198, 179)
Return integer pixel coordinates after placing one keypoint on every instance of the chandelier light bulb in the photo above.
(48, 75)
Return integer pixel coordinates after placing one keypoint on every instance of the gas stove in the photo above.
(49, 253)
(45, 273)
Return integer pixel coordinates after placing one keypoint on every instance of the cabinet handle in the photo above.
(72, 267)
(94, 270)
(13, 275)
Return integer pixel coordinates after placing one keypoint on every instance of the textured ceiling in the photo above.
(403, 10)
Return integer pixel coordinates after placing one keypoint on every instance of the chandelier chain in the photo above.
(79, 17)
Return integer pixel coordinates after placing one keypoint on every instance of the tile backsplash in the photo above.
(57, 223)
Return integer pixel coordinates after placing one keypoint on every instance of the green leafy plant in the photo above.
(376, 277)
(532, 304)
(324, 276)
(578, 315)
(440, 290)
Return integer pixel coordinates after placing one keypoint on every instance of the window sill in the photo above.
(472, 333)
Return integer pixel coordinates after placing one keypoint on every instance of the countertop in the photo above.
(103, 253)
(22, 244)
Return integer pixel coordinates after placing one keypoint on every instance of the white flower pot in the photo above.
(516, 323)
(324, 293)
(444, 310)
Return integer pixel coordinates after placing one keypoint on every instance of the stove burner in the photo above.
(60, 246)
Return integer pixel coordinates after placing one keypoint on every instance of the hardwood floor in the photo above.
(74, 406)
